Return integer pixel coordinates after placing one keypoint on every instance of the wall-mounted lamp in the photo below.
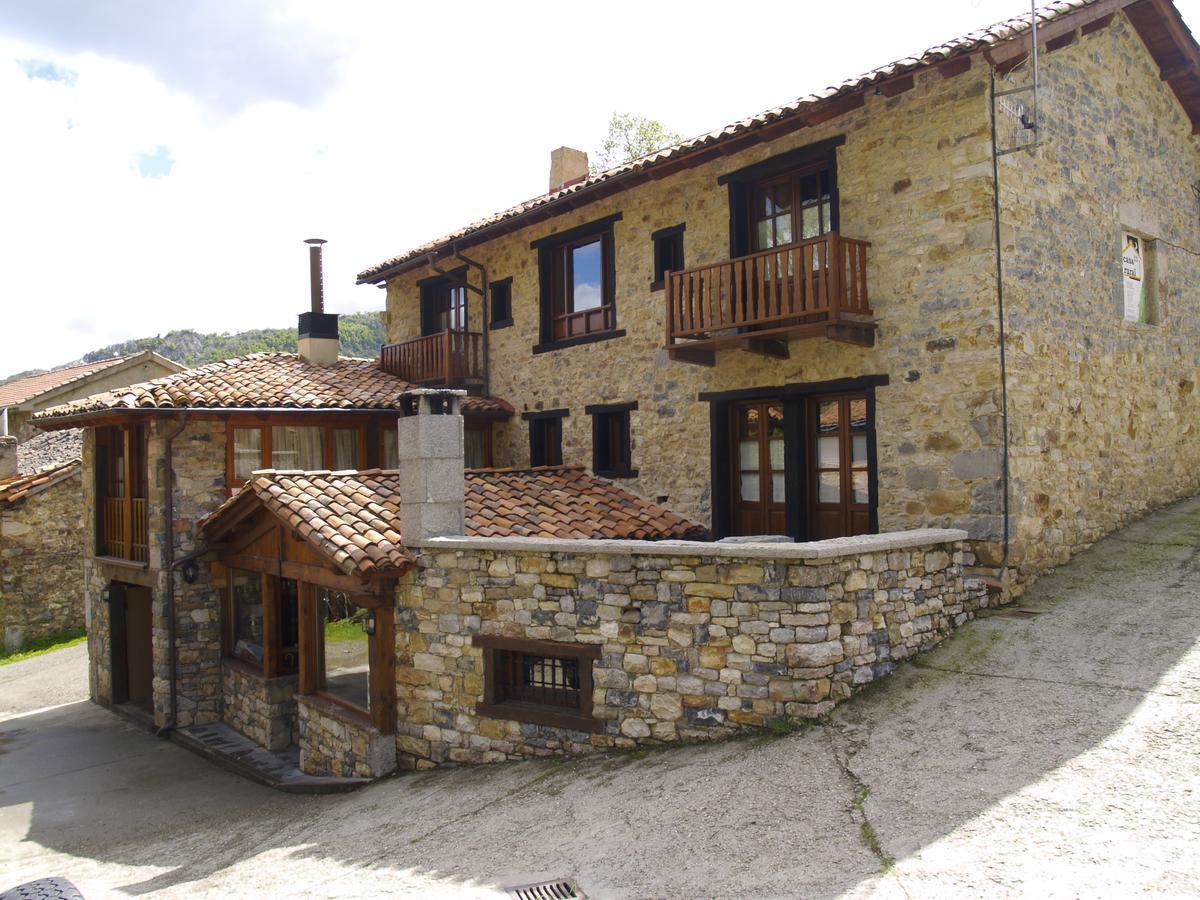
(190, 571)
(105, 594)
(368, 622)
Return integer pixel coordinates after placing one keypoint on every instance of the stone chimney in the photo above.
(430, 444)
(318, 329)
(568, 166)
(8, 456)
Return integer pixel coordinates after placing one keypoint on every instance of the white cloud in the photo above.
(376, 126)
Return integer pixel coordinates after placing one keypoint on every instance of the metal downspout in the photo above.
(1001, 319)
(171, 562)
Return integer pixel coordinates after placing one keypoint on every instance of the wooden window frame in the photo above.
(134, 487)
(560, 326)
(436, 298)
(603, 418)
(485, 428)
(494, 706)
(538, 422)
(662, 240)
(504, 285)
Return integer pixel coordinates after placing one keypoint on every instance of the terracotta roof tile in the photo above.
(23, 388)
(959, 46)
(353, 517)
(49, 450)
(274, 380)
(16, 490)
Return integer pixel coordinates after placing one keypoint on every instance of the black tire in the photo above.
(44, 889)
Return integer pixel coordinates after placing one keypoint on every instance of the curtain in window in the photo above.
(296, 447)
(473, 448)
(247, 452)
(345, 448)
(391, 448)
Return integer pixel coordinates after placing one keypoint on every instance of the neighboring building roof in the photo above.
(258, 381)
(1162, 28)
(49, 450)
(353, 517)
(31, 385)
(16, 490)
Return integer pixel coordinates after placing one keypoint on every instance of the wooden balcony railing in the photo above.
(447, 358)
(124, 529)
(814, 287)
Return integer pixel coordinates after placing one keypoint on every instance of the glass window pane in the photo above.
(778, 488)
(586, 265)
(808, 188)
(296, 447)
(861, 494)
(764, 237)
(829, 415)
(829, 487)
(391, 448)
(345, 448)
(347, 665)
(828, 452)
(247, 617)
(812, 222)
(748, 455)
(749, 487)
(859, 444)
(247, 452)
(858, 414)
(775, 421)
(777, 457)
(473, 448)
(783, 230)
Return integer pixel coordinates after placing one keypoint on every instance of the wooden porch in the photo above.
(447, 359)
(812, 288)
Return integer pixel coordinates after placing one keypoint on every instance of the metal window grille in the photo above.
(546, 680)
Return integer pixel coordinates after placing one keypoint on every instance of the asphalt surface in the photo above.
(1049, 752)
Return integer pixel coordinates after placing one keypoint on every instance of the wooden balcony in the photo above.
(814, 288)
(446, 359)
(124, 529)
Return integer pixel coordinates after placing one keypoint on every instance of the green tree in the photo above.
(629, 137)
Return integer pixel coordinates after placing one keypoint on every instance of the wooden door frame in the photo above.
(795, 397)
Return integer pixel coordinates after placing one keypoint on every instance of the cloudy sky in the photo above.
(162, 162)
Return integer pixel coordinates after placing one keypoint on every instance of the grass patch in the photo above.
(344, 630)
(869, 836)
(55, 641)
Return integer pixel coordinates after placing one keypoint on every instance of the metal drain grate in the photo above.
(555, 889)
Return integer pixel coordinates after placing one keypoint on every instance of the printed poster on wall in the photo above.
(1132, 272)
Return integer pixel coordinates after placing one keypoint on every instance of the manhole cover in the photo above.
(554, 889)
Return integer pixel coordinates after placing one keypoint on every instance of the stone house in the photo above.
(888, 305)
(41, 564)
(832, 323)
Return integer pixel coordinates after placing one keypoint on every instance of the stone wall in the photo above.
(41, 564)
(263, 709)
(696, 640)
(335, 742)
(199, 461)
(1104, 412)
(914, 177)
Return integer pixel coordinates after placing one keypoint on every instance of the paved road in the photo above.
(1049, 756)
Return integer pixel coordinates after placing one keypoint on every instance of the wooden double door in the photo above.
(801, 465)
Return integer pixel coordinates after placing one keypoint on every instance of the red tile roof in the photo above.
(15, 392)
(15, 490)
(261, 380)
(353, 517)
(567, 198)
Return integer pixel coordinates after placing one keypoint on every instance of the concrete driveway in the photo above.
(1050, 755)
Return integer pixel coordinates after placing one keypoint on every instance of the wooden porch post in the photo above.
(127, 500)
(307, 613)
(382, 655)
(270, 602)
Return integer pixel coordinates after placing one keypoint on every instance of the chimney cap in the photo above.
(316, 242)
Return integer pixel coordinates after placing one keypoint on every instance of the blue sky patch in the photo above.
(156, 164)
(47, 71)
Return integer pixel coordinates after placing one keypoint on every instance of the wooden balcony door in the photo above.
(443, 307)
(839, 472)
(759, 491)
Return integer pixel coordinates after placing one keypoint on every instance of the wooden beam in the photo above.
(1062, 41)
(1096, 25)
(835, 108)
(777, 349)
(956, 66)
(381, 652)
(697, 356)
(306, 601)
(895, 86)
(848, 333)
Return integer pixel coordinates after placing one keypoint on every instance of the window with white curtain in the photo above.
(296, 447)
(345, 448)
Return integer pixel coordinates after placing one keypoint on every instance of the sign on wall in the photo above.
(1133, 271)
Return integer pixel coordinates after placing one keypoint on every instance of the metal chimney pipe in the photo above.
(315, 274)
